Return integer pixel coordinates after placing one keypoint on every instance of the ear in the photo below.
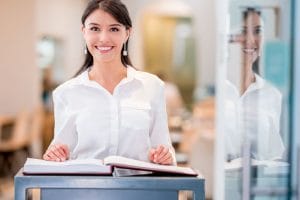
(128, 33)
(83, 30)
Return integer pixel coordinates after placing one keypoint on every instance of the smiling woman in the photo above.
(109, 108)
(253, 107)
(95, 27)
(252, 42)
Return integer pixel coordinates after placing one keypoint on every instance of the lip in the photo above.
(104, 49)
(249, 50)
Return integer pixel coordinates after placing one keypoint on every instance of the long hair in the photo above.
(116, 9)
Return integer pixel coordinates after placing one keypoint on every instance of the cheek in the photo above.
(119, 41)
(90, 40)
(258, 40)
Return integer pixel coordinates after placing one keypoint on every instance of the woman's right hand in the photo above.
(57, 152)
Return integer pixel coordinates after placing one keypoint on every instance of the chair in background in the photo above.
(24, 140)
(15, 144)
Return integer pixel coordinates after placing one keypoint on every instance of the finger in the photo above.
(151, 154)
(59, 153)
(61, 150)
(157, 152)
(54, 155)
(65, 148)
(168, 161)
(62, 154)
(46, 156)
(162, 154)
(159, 149)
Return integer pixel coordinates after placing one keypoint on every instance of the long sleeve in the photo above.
(64, 129)
(276, 149)
(159, 132)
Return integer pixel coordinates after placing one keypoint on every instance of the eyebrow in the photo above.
(259, 26)
(95, 24)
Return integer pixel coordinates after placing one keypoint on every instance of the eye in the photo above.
(114, 29)
(94, 28)
(258, 31)
(244, 31)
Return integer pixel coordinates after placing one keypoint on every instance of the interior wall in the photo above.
(205, 30)
(62, 19)
(203, 13)
(19, 82)
(23, 23)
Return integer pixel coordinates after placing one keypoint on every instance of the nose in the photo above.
(103, 36)
(249, 38)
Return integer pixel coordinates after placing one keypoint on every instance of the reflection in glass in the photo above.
(253, 105)
(257, 88)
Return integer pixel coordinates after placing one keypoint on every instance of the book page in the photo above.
(123, 162)
(237, 164)
(33, 161)
(78, 166)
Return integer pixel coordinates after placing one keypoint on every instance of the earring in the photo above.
(85, 50)
(125, 52)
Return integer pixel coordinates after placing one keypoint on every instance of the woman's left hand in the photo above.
(161, 155)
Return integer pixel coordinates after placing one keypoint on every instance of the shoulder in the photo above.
(271, 90)
(66, 87)
(149, 80)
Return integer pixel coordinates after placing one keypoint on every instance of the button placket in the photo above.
(114, 123)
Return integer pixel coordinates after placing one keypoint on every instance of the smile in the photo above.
(104, 49)
(249, 50)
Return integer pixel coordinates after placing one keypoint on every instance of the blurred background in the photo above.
(42, 46)
(187, 43)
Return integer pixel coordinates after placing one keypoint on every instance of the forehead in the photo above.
(100, 17)
(253, 19)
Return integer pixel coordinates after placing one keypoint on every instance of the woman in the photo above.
(109, 108)
(253, 110)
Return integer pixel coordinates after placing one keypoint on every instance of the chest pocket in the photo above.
(135, 115)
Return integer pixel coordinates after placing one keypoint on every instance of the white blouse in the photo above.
(254, 115)
(95, 123)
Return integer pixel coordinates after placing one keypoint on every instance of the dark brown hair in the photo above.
(116, 9)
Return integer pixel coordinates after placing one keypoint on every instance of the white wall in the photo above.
(62, 20)
(22, 24)
(19, 84)
(205, 29)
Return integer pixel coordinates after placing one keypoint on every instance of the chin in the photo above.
(105, 59)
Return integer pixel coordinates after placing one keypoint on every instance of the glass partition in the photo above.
(257, 95)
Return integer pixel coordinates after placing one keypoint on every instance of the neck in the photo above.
(108, 75)
(248, 78)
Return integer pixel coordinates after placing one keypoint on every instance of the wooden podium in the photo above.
(108, 187)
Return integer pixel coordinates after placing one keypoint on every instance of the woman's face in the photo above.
(104, 36)
(252, 37)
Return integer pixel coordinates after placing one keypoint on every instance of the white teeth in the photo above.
(104, 48)
(249, 50)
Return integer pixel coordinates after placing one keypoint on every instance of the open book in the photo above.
(105, 167)
(269, 166)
